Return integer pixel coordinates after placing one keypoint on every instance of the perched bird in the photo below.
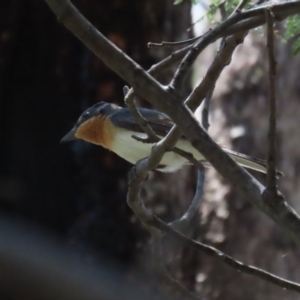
(112, 127)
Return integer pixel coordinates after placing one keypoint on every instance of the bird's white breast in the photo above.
(132, 150)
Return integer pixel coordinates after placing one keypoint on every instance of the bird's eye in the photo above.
(85, 115)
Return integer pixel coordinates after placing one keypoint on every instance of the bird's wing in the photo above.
(161, 125)
(159, 122)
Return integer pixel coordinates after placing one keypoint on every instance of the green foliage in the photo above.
(296, 47)
(292, 24)
(213, 8)
(229, 6)
(179, 1)
(292, 30)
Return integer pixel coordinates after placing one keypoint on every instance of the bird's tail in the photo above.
(249, 162)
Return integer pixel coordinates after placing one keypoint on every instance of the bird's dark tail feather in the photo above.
(248, 162)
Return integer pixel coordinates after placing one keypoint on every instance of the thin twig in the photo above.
(222, 59)
(183, 223)
(271, 161)
(129, 101)
(172, 44)
(228, 260)
(168, 62)
(239, 7)
(151, 136)
(187, 155)
(223, 10)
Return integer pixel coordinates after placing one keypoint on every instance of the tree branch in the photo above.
(183, 223)
(279, 11)
(129, 101)
(222, 59)
(239, 7)
(271, 161)
(172, 44)
(228, 260)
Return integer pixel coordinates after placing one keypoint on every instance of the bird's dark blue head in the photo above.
(100, 109)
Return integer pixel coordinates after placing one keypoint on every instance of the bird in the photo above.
(114, 128)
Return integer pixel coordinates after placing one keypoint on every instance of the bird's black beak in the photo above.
(70, 136)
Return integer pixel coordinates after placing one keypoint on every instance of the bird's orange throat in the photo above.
(97, 130)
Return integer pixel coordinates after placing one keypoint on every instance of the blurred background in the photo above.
(63, 206)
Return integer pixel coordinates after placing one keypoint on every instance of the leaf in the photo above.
(292, 26)
(296, 47)
(176, 2)
(292, 29)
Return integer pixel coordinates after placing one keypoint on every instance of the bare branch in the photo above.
(188, 156)
(245, 25)
(169, 61)
(239, 7)
(137, 175)
(228, 260)
(222, 59)
(223, 10)
(172, 44)
(183, 223)
(271, 162)
(129, 101)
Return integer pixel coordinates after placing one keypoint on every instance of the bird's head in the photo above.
(89, 126)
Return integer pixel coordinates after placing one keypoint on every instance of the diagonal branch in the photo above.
(222, 59)
(172, 44)
(239, 7)
(182, 224)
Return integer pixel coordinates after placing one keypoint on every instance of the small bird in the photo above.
(112, 127)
